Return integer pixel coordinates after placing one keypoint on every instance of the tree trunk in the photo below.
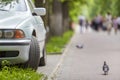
(42, 3)
(39, 3)
(65, 16)
(56, 18)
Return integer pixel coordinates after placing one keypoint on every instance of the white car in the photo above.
(22, 33)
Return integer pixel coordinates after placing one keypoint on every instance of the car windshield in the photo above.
(14, 5)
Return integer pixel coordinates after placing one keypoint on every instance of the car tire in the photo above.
(43, 60)
(34, 55)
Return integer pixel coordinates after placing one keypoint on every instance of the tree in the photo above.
(101, 6)
(65, 15)
(56, 18)
(39, 3)
(60, 13)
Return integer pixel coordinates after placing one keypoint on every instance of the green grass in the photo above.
(14, 73)
(56, 44)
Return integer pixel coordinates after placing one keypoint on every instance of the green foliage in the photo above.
(116, 7)
(5, 63)
(14, 73)
(33, 1)
(56, 44)
(103, 6)
(76, 8)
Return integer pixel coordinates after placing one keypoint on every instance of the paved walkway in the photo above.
(52, 61)
(86, 63)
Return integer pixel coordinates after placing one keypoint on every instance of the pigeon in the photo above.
(105, 68)
(79, 46)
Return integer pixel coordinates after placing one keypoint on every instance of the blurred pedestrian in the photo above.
(104, 26)
(81, 22)
(87, 24)
(93, 24)
(98, 22)
(115, 25)
(109, 22)
(118, 22)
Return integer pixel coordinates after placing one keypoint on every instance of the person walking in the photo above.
(118, 22)
(109, 22)
(81, 23)
(115, 25)
(98, 22)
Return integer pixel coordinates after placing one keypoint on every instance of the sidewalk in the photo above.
(53, 74)
(97, 48)
(52, 61)
(86, 63)
(77, 29)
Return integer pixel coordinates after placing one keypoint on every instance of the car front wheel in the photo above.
(34, 55)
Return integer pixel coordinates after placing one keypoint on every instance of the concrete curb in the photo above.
(52, 53)
(45, 77)
(53, 75)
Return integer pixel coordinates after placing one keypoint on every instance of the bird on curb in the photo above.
(105, 68)
(79, 46)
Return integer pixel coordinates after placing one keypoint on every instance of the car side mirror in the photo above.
(40, 11)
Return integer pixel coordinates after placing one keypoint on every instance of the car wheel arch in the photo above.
(34, 33)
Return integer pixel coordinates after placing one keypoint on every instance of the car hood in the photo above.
(10, 20)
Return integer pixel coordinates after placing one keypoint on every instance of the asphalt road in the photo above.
(86, 63)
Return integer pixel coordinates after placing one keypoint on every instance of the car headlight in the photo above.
(10, 34)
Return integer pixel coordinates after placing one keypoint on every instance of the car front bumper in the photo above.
(15, 51)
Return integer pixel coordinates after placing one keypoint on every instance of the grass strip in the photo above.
(14, 73)
(57, 43)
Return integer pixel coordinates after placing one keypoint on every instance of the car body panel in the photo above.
(16, 45)
(25, 21)
(11, 19)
